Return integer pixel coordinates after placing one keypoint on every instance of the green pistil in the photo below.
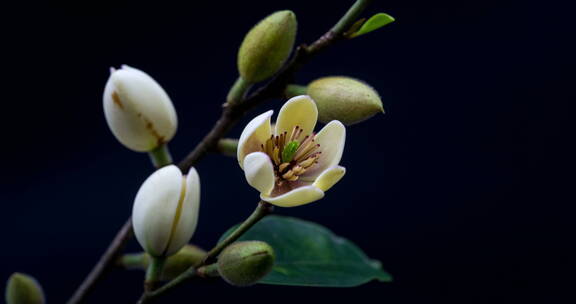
(289, 151)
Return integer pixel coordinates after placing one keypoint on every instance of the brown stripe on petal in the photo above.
(116, 100)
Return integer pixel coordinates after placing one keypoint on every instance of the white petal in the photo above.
(331, 139)
(256, 132)
(137, 109)
(296, 197)
(155, 208)
(329, 178)
(259, 172)
(188, 218)
(298, 111)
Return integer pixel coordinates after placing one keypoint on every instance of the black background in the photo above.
(460, 189)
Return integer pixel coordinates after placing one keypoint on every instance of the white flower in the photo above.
(165, 210)
(292, 165)
(137, 109)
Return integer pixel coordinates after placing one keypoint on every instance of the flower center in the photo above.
(291, 154)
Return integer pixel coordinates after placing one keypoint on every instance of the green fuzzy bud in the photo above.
(245, 263)
(188, 256)
(267, 46)
(23, 289)
(345, 99)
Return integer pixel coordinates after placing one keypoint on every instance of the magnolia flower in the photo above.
(291, 165)
(165, 210)
(137, 109)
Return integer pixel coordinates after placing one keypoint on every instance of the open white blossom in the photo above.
(137, 109)
(292, 165)
(165, 210)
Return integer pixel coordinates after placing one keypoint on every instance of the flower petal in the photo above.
(329, 178)
(256, 132)
(298, 111)
(331, 139)
(259, 172)
(299, 196)
(188, 217)
(155, 207)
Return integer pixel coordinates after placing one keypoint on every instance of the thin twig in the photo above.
(261, 211)
(230, 116)
(104, 264)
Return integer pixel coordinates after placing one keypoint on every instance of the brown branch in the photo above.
(230, 116)
(105, 263)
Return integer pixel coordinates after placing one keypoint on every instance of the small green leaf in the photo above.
(375, 22)
(308, 254)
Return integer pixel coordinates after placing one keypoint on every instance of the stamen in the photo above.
(293, 178)
(288, 174)
(269, 146)
(314, 150)
(298, 170)
(299, 133)
(293, 134)
(276, 156)
(283, 167)
(282, 140)
(309, 161)
(307, 151)
(304, 145)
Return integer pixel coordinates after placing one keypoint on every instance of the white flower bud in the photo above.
(165, 210)
(137, 109)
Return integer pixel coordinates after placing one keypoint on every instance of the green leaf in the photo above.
(308, 254)
(375, 22)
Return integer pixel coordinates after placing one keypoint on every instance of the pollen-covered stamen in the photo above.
(291, 155)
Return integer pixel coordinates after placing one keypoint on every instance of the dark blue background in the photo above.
(460, 189)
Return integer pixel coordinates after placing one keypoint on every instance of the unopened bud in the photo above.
(138, 111)
(23, 289)
(245, 263)
(165, 211)
(267, 46)
(345, 99)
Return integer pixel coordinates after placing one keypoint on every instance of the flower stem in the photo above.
(183, 277)
(351, 16)
(237, 91)
(154, 273)
(261, 211)
(160, 156)
(295, 90)
(228, 146)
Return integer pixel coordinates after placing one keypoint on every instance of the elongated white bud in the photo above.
(165, 210)
(137, 109)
